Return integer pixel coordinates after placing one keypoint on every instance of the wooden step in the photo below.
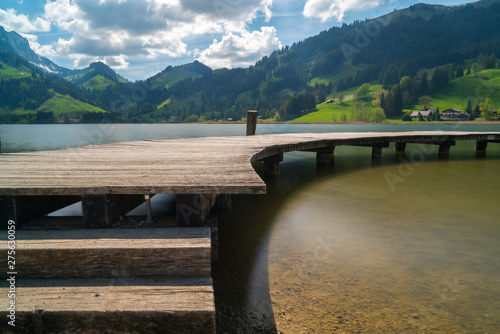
(107, 253)
(131, 305)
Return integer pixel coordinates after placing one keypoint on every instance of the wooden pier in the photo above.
(154, 277)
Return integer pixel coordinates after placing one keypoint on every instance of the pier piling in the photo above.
(251, 122)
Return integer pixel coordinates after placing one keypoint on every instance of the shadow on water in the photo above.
(240, 275)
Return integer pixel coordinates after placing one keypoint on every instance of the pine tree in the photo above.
(469, 109)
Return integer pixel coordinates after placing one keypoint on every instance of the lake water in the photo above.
(406, 245)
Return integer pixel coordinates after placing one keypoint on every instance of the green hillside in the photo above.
(96, 76)
(98, 82)
(334, 112)
(8, 72)
(171, 75)
(61, 105)
(486, 84)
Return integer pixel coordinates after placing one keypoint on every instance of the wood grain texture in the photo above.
(113, 253)
(213, 165)
(112, 306)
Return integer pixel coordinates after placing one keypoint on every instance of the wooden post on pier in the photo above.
(100, 211)
(480, 146)
(271, 165)
(192, 210)
(377, 150)
(251, 122)
(444, 148)
(323, 156)
(400, 147)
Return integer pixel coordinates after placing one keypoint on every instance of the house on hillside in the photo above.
(424, 113)
(330, 101)
(451, 113)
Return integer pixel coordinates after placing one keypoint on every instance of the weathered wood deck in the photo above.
(163, 282)
(214, 165)
(109, 281)
(110, 179)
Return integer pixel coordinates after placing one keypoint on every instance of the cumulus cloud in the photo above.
(21, 23)
(117, 62)
(240, 50)
(327, 9)
(138, 28)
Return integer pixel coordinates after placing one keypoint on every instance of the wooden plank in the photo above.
(112, 253)
(112, 306)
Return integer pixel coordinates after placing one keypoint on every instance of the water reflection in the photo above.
(349, 254)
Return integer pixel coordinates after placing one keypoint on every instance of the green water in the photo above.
(347, 249)
(364, 258)
(409, 244)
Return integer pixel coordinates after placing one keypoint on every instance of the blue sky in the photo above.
(139, 38)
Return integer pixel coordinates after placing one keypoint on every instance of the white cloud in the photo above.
(21, 23)
(240, 50)
(327, 9)
(138, 28)
(116, 62)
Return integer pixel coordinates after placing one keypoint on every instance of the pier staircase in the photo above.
(153, 280)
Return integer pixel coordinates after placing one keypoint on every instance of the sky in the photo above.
(139, 38)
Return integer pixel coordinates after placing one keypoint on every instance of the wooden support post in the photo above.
(400, 147)
(223, 202)
(481, 145)
(271, 165)
(251, 122)
(192, 210)
(444, 148)
(376, 152)
(100, 211)
(323, 157)
(22, 209)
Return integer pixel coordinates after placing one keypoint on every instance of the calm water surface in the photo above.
(407, 245)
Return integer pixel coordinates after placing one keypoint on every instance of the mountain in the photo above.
(426, 45)
(97, 76)
(171, 75)
(15, 44)
(382, 50)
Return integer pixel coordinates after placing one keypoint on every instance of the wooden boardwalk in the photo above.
(214, 165)
(119, 174)
(144, 280)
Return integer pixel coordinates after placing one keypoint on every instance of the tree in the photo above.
(363, 90)
(474, 69)
(424, 86)
(407, 118)
(341, 98)
(425, 101)
(469, 109)
(486, 108)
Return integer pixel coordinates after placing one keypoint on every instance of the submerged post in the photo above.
(481, 146)
(444, 148)
(251, 122)
(400, 147)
